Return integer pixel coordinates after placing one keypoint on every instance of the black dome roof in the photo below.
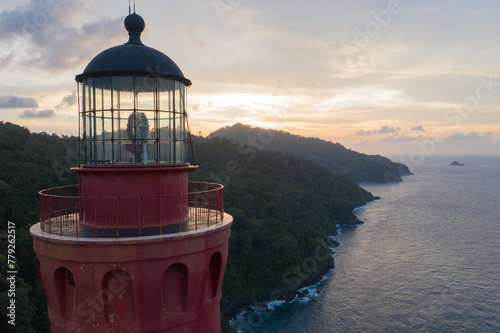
(133, 58)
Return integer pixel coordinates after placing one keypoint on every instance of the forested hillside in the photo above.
(334, 156)
(28, 164)
(283, 209)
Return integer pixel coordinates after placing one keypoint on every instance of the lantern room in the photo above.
(133, 133)
(132, 101)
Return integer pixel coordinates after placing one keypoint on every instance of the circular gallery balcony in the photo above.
(63, 212)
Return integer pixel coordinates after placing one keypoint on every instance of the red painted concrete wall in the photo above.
(164, 284)
(137, 182)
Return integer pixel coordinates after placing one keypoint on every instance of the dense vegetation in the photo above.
(283, 209)
(28, 164)
(334, 156)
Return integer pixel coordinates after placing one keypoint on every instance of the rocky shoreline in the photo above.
(288, 293)
(291, 291)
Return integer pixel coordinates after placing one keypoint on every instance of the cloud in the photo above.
(472, 136)
(7, 60)
(365, 133)
(68, 101)
(14, 102)
(382, 130)
(50, 37)
(37, 114)
(36, 18)
(403, 139)
(417, 129)
(388, 129)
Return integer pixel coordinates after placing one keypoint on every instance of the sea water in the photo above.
(427, 259)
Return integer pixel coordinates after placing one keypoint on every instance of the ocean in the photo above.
(427, 259)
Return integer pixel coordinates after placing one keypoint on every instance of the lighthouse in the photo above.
(135, 246)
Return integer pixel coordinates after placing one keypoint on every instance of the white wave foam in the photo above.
(313, 292)
(359, 208)
(273, 304)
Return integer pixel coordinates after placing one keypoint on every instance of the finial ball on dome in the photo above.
(134, 23)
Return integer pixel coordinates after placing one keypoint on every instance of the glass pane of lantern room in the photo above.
(145, 135)
(89, 95)
(98, 98)
(120, 119)
(126, 150)
(123, 92)
(88, 153)
(108, 155)
(145, 123)
(125, 153)
(165, 91)
(180, 129)
(99, 124)
(116, 125)
(179, 97)
(83, 133)
(127, 125)
(165, 122)
(103, 93)
(146, 152)
(80, 96)
(152, 157)
(104, 152)
(117, 152)
(180, 152)
(116, 99)
(146, 92)
(107, 125)
(166, 153)
(89, 125)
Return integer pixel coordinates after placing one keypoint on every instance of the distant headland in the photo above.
(456, 163)
(335, 157)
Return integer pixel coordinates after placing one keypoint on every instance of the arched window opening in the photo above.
(175, 287)
(212, 282)
(117, 297)
(66, 291)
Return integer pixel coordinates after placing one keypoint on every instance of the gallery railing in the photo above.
(64, 212)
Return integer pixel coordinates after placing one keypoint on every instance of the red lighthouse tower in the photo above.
(135, 246)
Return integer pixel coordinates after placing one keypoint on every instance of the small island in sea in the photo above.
(456, 163)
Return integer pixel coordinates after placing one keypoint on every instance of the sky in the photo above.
(406, 77)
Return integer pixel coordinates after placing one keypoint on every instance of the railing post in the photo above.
(60, 215)
(65, 216)
(222, 203)
(196, 212)
(50, 215)
(208, 217)
(41, 211)
(216, 197)
(79, 209)
(77, 219)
